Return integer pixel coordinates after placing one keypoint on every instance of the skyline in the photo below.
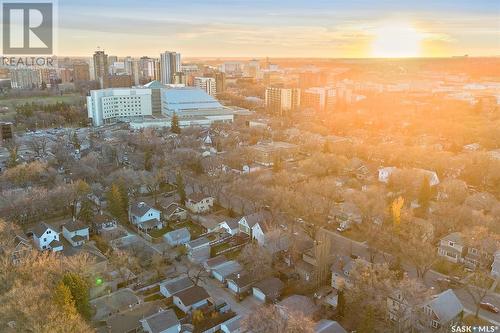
(295, 29)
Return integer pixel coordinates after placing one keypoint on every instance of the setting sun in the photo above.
(394, 40)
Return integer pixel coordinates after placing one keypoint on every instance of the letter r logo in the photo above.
(28, 28)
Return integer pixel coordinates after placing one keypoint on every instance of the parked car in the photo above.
(489, 307)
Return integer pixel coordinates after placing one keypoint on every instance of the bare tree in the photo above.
(269, 319)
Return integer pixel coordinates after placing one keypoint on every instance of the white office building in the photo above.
(207, 84)
(118, 104)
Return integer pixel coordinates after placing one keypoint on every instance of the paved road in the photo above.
(217, 291)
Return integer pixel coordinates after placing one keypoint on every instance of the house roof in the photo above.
(241, 279)
(139, 208)
(233, 223)
(192, 295)
(299, 303)
(172, 208)
(177, 234)
(75, 226)
(78, 238)
(257, 217)
(215, 261)
(446, 306)
(197, 196)
(55, 243)
(198, 242)
(149, 223)
(40, 229)
(233, 324)
(129, 320)
(455, 237)
(228, 268)
(328, 326)
(177, 285)
(270, 287)
(161, 321)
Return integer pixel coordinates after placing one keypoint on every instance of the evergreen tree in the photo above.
(148, 160)
(180, 188)
(341, 303)
(425, 194)
(367, 323)
(79, 288)
(86, 213)
(115, 202)
(64, 300)
(175, 128)
(277, 163)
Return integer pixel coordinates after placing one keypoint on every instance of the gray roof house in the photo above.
(171, 287)
(268, 290)
(177, 237)
(443, 310)
(161, 322)
(328, 326)
(452, 247)
(222, 271)
(232, 325)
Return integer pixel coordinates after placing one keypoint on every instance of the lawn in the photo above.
(194, 229)
(153, 297)
(11, 102)
(448, 268)
(472, 321)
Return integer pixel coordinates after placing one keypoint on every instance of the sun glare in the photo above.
(394, 40)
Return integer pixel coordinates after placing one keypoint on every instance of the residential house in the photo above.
(191, 298)
(385, 173)
(266, 153)
(481, 255)
(328, 326)
(177, 237)
(233, 325)
(246, 223)
(240, 283)
(452, 248)
(306, 266)
(443, 311)
(213, 263)
(144, 216)
(171, 287)
(341, 271)
(268, 290)
(298, 304)
(76, 233)
(269, 237)
(174, 212)
(230, 225)
(209, 223)
(129, 320)
(224, 270)
(346, 214)
(46, 237)
(20, 249)
(113, 303)
(400, 312)
(199, 249)
(103, 222)
(495, 266)
(161, 322)
(199, 203)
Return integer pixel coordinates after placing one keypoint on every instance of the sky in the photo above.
(314, 28)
